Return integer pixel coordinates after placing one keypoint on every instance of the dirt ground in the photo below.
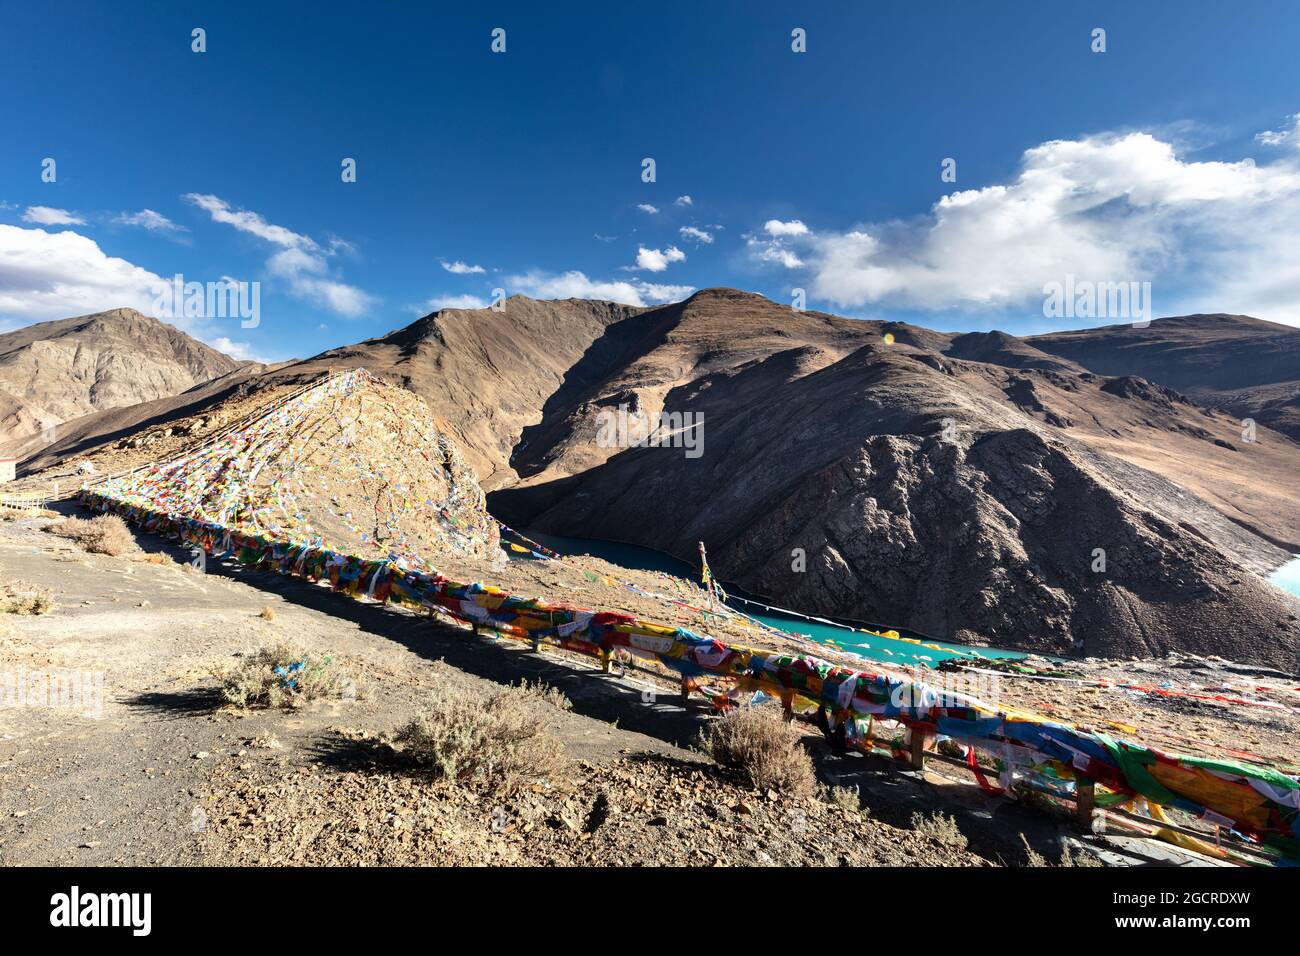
(160, 772)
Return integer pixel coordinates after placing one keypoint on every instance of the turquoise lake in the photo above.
(1287, 577)
(866, 645)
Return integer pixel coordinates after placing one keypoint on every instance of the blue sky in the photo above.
(1172, 157)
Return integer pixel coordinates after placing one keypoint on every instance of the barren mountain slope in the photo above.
(485, 374)
(56, 371)
(1250, 484)
(932, 504)
(955, 484)
(715, 353)
(183, 414)
(1245, 365)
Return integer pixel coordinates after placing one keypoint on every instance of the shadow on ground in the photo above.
(993, 826)
(178, 704)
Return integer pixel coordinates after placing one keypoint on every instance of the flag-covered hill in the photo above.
(347, 463)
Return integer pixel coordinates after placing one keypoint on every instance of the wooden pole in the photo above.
(704, 569)
(918, 749)
(1086, 793)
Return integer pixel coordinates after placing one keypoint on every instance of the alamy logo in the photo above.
(78, 691)
(103, 909)
(621, 428)
(227, 299)
(1082, 299)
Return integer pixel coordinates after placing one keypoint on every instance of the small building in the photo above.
(8, 469)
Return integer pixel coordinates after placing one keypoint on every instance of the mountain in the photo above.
(135, 425)
(351, 463)
(487, 373)
(53, 372)
(865, 469)
(1243, 365)
(980, 487)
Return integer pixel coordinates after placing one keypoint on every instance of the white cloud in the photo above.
(301, 261)
(775, 227)
(49, 216)
(462, 269)
(773, 250)
(288, 263)
(656, 260)
(774, 246)
(148, 219)
(1282, 137)
(576, 285)
(236, 350)
(249, 222)
(450, 302)
(683, 201)
(699, 235)
(646, 207)
(53, 275)
(1210, 236)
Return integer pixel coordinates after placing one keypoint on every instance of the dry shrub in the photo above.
(846, 798)
(19, 598)
(1082, 858)
(546, 694)
(105, 534)
(1033, 857)
(764, 747)
(1069, 856)
(268, 613)
(285, 676)
(500, 746)
(940, 828)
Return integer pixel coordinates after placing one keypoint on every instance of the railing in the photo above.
(1091, 770)
(1257, 802)
(27, 502)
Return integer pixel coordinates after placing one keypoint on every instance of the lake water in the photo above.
(868, 645)
(1287, 577)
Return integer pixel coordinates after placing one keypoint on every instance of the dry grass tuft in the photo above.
(285, 676)
(268, 613)
(766, 749)
(500, 746)
(940, 828)
(19, 598)
(1033, 857)
(105, 534)
(846, 798)
(1083, 858)
(545, 693)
